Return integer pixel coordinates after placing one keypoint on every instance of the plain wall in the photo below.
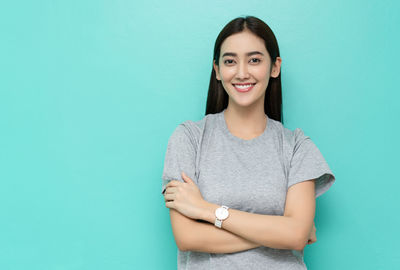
(90, 92)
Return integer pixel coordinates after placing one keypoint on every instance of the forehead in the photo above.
(243, 42)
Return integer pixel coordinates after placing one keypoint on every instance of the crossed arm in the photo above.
(243, 230)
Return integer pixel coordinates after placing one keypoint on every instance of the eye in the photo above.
(257, 60)
(225, 62)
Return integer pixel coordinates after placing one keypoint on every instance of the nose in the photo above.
(242, 72)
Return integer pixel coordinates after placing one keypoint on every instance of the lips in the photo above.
(244, 87)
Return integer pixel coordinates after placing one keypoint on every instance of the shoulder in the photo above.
(193, 129)
(281, 130)
(290, 138)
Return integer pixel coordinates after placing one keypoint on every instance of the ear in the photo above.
(216, 70)
(276, 68)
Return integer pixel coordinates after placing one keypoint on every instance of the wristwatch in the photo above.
(221, 213)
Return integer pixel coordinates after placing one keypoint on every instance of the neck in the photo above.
(246, 120)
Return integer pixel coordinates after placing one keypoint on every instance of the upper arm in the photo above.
(182, 228)
(180, 157)
(300, 205)
(309, 177)
(307, 163)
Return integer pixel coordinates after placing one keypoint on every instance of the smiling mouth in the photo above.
(244, 87)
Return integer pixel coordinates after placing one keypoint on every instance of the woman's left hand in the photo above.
(185, 197)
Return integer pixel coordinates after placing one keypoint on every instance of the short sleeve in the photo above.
(308, 163)
(180, 156)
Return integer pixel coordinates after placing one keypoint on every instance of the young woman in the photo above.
(240, 186)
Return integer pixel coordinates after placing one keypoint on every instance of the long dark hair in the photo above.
(217, 99)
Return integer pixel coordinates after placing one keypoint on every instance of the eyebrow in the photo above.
(248, 54)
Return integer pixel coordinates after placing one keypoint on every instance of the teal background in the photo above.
(90, 92)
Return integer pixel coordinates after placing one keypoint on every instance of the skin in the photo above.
(245, 119)
(245, 115)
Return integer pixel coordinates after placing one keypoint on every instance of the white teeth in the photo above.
(243, 86)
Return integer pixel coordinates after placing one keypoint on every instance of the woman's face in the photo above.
(245, 68)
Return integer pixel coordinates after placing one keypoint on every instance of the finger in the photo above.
(173, 183)
(170, 190)
(169, 204)
(169, 197)
(186, 178)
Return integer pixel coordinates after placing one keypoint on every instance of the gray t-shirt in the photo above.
(248, 175)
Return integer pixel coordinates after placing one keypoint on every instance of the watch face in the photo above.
(221, 213)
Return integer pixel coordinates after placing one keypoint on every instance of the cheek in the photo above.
(261, 73)
(227, 74)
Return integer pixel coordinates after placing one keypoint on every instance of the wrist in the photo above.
(208, 213)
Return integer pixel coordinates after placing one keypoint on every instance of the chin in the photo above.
(244, 102)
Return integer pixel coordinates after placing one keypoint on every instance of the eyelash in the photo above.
(258, 60)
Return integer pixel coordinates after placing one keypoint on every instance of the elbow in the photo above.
(299, 240)
(181, 247)
(190, 243)
(182, 244)
(182, 228)
(299, 246)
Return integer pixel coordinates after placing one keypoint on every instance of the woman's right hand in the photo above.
(312, 238)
